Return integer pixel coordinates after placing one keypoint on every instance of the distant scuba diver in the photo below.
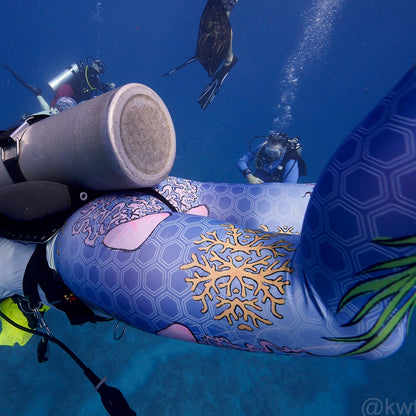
(79, 82)
(214, 46)
(277, 159)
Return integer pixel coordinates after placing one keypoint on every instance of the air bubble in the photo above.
(318, 22)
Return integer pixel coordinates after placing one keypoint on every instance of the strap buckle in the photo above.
(16, 136)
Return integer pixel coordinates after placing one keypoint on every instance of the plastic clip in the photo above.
(41, 322)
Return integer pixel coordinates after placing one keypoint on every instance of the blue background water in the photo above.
(354, 54)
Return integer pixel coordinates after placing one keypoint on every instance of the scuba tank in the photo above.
(65, 76)
(122, 139)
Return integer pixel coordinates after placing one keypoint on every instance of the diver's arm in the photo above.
(45, 106)
(243, 166)
(105, 86)
(245, 160)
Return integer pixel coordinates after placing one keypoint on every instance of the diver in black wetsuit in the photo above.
(211, 90)
(214, 47)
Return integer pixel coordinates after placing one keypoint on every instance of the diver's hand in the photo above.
(106, 86)
(253, 179)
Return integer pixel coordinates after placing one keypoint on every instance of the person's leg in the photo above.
(362, 214)
(210, 281)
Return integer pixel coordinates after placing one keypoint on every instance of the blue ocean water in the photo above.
(314, 67)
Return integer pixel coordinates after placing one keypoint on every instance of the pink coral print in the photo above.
(105, 213)
(178, 331)
(201, 210)
(131, 235)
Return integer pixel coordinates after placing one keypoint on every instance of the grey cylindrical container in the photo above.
(122, 139)
(65, 76)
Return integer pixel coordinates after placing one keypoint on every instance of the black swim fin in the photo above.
(211, 90)
(34, 90)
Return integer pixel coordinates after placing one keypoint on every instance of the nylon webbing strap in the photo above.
(10, 147)
(10, 151)
(14, 171)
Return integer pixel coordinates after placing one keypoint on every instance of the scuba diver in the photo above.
(214, 47)
(277, 159)
(211, 90)
(80, 81)
(215, 240)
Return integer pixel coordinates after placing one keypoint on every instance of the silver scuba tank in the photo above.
(65, 76)
(122, 139)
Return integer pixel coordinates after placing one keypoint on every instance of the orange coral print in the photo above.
(244, 271)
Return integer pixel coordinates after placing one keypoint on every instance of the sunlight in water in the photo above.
(317, 23)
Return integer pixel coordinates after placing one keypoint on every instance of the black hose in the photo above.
(112, 398)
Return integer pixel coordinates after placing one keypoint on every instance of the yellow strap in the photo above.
(86, 78)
